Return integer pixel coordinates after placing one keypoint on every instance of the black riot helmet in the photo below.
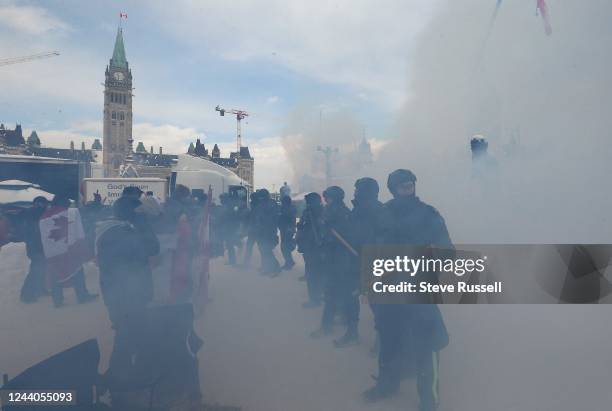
(333, 193)
(264, 194)
(398, 177)
(312, 199)
(366, 188)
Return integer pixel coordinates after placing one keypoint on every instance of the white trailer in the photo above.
(111, 188)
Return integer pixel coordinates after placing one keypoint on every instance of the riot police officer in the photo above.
(418, 327)
(366, 228)
(286, 226)
(336, 256)
(266, 232)
(308, 239)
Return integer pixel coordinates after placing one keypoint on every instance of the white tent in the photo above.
(199, 173)
(17, 191)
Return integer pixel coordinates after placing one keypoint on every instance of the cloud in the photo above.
(272, 100)
(355, 43)
(173, 139)
(31, 20)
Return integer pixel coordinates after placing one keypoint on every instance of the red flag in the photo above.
(64, 244)
(179, 276)
(204, 252)
(542, 9)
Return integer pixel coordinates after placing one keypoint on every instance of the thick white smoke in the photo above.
(542, 102)
(309, 129)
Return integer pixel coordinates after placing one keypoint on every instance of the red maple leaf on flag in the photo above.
(60, 230)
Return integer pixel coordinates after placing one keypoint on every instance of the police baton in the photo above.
(344, 242)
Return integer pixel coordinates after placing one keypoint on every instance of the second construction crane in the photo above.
(240, 115)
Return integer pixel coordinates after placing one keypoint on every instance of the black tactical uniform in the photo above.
(286, 226)
(418, 328)
(336, 256)
(266, 232)
(309, 243)
(230, 226)
(366, 228)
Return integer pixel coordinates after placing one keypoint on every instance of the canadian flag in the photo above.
(64, 244)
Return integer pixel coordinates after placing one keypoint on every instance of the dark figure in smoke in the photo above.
(124, 245)
(250, 229)
(286, 226)
(484, 166)
(366, 228)
(230, 225)
(308, 239)
(285, 190)
(415, 327)
(91, 213)
(336, 257)
(266, 232)
(34, 284)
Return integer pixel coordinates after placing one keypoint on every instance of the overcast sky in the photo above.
(267, 57)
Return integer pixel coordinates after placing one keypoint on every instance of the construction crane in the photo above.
(240, 115)
(22, 59)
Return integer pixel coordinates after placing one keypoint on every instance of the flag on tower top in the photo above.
(122, 15)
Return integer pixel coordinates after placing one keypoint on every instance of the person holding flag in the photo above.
(65, 249)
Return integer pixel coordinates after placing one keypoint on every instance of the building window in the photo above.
(114, 115)
(122, 116)
(124, 99)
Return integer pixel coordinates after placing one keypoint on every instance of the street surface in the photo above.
(257, 351)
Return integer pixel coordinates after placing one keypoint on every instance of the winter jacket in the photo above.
(123, 249)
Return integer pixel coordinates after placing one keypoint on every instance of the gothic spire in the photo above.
(118, 59)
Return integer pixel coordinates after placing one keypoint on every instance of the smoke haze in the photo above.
(539, 100)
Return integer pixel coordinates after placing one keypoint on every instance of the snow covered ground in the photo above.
(258, 354)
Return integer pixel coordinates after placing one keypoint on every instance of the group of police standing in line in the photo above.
(330, 237)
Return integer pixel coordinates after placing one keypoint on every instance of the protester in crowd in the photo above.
(34, 285)
(66, 250)
(124, 245)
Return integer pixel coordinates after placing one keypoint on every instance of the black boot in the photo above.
(321, 332)
(351, 337)
(379, 392)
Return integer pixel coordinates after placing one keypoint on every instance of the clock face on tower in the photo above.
(118, 76)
